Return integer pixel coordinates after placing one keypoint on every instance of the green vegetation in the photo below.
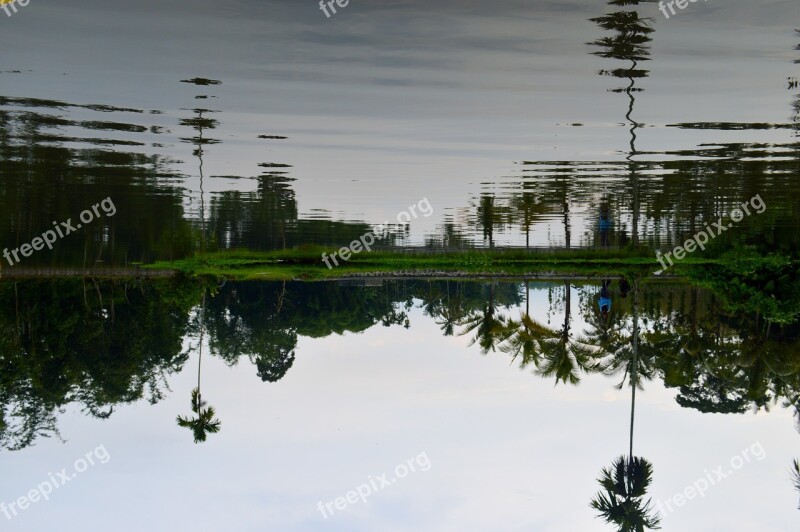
(305, 264)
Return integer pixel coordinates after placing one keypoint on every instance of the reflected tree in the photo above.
(629, 41)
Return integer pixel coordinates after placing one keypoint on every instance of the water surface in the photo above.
(266, 126)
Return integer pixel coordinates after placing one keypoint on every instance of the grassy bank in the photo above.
(306, 264)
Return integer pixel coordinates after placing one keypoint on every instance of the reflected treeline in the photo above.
(50, 174)
(655, 198)
(794, 85)
(101, 343)
(54, 166)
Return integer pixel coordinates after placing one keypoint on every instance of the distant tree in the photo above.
(204, 422)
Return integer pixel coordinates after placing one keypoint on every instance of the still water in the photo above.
(276, 126)
(383, 404)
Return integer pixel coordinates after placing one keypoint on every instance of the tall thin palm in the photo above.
(622, 502)
(204, 422)
(625, 484)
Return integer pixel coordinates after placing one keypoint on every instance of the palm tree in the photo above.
(527, 338)
(626, 483)
(622, 503)
(490, 329)
(446, 311)
(555, 352)
(565, 356)
(204, 422)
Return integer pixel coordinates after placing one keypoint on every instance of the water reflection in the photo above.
(45, 178)
(56, 165)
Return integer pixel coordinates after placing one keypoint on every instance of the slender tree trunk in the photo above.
(200, 356)
(635, 365)
(527, 298)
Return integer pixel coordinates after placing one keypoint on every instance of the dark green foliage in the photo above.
(621, 502)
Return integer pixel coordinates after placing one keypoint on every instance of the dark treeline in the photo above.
(46, 179)
(99, 343)
(49, 175)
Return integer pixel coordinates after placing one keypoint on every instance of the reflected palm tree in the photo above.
(794, 84)
(629, 42)
(204, 421)
(490, 216)
(528, 206)
(199, 123)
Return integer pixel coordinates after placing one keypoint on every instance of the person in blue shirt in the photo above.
(605, 299)
(604, 225)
